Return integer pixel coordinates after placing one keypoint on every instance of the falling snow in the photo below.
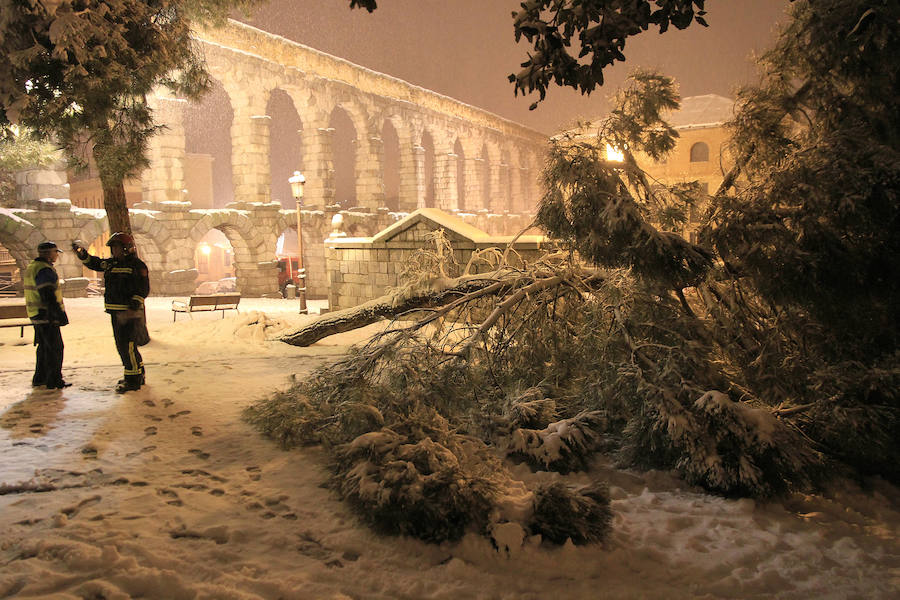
(167, 493)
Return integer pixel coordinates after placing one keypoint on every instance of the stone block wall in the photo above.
(360, 269)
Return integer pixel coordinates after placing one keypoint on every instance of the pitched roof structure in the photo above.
(695, 112)
(709, 110)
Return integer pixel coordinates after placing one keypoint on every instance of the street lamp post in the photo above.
(297, 181)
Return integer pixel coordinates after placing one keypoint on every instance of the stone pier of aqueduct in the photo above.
(483, 167)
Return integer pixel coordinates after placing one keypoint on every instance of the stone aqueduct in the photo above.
(496, 172)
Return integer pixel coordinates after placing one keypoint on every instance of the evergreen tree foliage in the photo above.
(794, 282)
(20, 148)
(572, 41)
(755, 362)
(79, 71)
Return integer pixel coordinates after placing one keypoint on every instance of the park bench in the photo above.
(14, 315)
(202, 303)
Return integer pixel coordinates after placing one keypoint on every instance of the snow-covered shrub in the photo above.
(531, 410)
(563, 446)
(411, 484)
(859, 417)
(562, 512)
(288, 417)
(723, 446)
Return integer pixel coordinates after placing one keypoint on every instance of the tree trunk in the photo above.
(390, 306)
(116, 207)
(112, 181)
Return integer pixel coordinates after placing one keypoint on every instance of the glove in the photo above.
(79, 251)
(57, 315)
(135, 305)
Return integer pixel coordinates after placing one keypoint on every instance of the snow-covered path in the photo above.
(166, 493)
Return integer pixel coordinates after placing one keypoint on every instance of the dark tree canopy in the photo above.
(80, 71)
(574, 40)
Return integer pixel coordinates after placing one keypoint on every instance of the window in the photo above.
(699, 152)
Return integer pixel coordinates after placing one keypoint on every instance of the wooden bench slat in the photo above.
(15, 315)
(13, 311)
(206, 302)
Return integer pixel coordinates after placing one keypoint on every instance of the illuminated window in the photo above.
(699, 152)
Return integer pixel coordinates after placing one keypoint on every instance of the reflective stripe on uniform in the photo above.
(33, 302)
(135, 365)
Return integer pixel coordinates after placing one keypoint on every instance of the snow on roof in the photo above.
(695, 112)
(437, 216)
(708, 110)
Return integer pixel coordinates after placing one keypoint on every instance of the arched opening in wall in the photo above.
(460, 175)
(214, 261)
(343, 145)
(9, 274)
(98, 247)
(699, 152)
(148, 251)
(207, 131)
(286, 255)
(505, 183)
(428, 168)
(486, 200)
(390, 143)
(527, 200)
(284, 146)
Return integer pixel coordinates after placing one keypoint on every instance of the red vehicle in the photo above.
(288, 272)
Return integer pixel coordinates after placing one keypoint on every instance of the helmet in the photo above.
(120, 238)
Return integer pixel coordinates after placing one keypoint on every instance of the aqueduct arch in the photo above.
(472, 150)
(251, 65)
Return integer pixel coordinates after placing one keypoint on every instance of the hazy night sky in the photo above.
(465, 49)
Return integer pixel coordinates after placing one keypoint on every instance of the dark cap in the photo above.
(45, 246)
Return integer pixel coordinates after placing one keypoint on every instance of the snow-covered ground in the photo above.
(165, 493)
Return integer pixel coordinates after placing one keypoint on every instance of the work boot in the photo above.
(129, 384)
(143, 380)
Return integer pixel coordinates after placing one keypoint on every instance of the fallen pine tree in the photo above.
(754, 362)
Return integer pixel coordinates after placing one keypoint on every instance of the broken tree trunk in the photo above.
(443, 292)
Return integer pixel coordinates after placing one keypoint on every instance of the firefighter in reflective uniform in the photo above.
(127, 284)
(44, 304)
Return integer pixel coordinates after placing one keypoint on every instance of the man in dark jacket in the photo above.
(127, 284)
(44, 304)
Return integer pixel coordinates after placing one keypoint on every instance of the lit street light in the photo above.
(297, 181)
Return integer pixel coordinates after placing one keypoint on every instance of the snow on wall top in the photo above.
(241, 38)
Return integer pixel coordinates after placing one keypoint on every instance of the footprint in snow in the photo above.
(172, 497)
(202, 473)
(143, 450)
(71, 511)
(197, 430)
(199, 453)
(148, 431)
(180, 413)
